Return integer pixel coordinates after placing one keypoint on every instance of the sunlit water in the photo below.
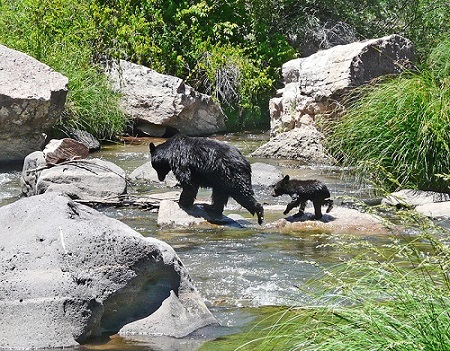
(232, 268)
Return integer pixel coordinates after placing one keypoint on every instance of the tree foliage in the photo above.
(236, 47)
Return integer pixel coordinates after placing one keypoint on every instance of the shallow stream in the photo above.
(235, 270)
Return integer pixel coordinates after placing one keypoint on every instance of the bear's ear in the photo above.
(152, 147)
(286, 178)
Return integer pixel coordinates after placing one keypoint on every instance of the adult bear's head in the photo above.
(160, 161)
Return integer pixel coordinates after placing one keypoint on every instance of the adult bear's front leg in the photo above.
(188, 195)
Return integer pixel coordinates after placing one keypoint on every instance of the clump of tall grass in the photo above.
(396, 132)
(397, 298)
(63, 35)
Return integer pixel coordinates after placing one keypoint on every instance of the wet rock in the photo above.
(61, 150)
(32, 97)
(164, 102)
(304, 144)
(178, 316)
(340, 220)
(413, 198)
(70, 273)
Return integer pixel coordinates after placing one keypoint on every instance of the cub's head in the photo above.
(280, 187)
(159, 161)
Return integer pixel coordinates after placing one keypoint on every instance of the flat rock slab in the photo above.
(172, 215)
(340, 220)
(437, 210)
(413, 198)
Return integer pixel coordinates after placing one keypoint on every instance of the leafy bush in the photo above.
(236, 82)
(220, 48)
(396, 132)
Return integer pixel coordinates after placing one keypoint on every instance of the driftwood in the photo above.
(148, 202)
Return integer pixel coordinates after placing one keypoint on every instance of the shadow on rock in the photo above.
(326, 218)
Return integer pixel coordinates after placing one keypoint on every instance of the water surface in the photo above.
(234, 269)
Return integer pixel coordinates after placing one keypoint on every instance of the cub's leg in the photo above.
(301, 210)
(318, 208)
(296, 202)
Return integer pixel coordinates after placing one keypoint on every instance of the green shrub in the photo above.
(396, 132)
(236, 82)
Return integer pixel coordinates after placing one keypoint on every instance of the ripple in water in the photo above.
(9, 187)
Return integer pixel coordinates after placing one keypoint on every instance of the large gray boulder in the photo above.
(90, 179)
(303, 144)
(314, 85)
(158, 102)
(32, 97)
(70, 273)
(87, 179)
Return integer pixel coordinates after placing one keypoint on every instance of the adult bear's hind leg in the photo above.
(219, 199)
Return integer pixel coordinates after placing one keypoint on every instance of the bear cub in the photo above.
(301, 191)
(203, 162)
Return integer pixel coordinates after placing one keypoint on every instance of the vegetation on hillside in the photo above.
(232, 50)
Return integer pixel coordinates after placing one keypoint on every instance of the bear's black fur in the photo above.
(301, 191)
(202, 162)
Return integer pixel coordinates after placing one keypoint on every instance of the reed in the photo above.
(396, 132)
(378, 301)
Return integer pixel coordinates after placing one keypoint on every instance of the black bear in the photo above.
(301, 191)
(202, 162)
